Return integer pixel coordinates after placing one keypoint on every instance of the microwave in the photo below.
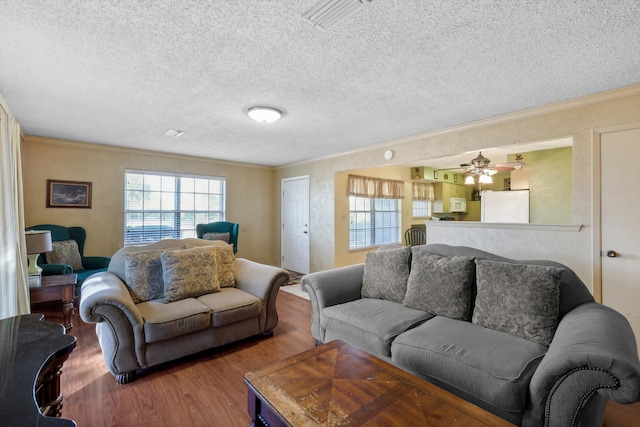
(458, 204)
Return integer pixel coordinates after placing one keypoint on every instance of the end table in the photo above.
(56, 288)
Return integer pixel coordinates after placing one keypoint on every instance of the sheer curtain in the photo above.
(14, 287)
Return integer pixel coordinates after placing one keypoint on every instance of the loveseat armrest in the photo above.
(106, 301)
(263, 281)
(592, 358)
(331, 287)
(95, 262)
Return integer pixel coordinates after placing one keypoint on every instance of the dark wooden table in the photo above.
(337, 384)
(56, 288)
(31, 356)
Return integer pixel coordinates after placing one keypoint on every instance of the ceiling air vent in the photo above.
(175, 133)
(329, 13)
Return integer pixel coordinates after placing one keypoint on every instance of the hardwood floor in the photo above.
(206, 389)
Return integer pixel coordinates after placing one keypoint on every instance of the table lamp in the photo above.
(38, 241)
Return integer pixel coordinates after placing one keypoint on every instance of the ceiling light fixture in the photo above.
(264, 114)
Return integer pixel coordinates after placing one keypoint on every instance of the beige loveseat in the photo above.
(135, 333)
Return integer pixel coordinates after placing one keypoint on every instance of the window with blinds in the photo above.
(373, 221)
(162, 205)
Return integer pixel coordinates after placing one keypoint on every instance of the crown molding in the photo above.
(610, 95)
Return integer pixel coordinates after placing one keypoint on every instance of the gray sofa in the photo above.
(590, 354)
(135, 334)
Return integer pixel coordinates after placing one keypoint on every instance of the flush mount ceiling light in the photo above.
(264, 114)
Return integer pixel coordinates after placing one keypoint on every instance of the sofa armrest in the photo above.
(331, 287)
(95, 262)
(106, 301)
(592, 358)
(55, 269)
(263, 281)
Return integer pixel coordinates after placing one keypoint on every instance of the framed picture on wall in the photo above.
(435, 174)
(68, 194)
(455, 177)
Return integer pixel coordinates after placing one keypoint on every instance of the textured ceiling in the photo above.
(124, 72)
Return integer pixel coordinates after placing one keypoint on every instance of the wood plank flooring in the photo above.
(206, 389)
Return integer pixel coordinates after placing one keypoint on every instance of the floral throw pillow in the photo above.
(65, 252)
(225, 259)
(143, 275)
(189, 273)
(386, 273)
(440, 285)
(518, 299)
(217, 236)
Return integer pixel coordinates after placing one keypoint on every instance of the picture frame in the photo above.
(435, 174)
(68, 194)
(455, 177)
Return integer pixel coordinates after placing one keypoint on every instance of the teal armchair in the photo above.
(90, 264)
(220, 227)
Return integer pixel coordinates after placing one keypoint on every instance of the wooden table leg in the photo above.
(67, 311)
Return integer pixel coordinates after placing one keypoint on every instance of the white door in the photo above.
(295, 224)
(620, 225)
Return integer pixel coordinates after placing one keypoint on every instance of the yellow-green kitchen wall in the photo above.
(249, 200)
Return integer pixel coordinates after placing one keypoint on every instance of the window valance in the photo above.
(375, 188)
(423, 191)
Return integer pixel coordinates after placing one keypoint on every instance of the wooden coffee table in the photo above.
(56, 288)
(337, 384)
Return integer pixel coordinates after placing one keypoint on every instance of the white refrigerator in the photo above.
(504, 206)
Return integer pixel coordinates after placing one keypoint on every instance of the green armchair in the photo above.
(90, 264)
(220, 227)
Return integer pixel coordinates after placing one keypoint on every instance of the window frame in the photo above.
(373, 215)
(177, 204)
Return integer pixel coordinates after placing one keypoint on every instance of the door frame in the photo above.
(596, 195)
(282, 207)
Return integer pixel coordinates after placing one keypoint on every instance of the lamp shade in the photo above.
(38, 241)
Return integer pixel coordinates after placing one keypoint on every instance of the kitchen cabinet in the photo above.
(443, 192)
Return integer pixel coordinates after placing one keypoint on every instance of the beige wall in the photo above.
(249, 191)
(579, 119)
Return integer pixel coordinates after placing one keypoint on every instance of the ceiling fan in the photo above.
(481, 164)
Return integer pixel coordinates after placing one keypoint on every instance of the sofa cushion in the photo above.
(143, 275)
(231, 305)
(189, 272)
(440, 285)
(485, 364)
(165, 321)
(217, 236)
(225, 259)
(65, 252)
(386, 273)
(370, 324)
(519, 299)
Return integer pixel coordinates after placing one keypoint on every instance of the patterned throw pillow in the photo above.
(439, 285)
(386, 273)
(519, 299)
(189, 273)
(225, 259)
(65, 252)
(143, 275)
(217, 236)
